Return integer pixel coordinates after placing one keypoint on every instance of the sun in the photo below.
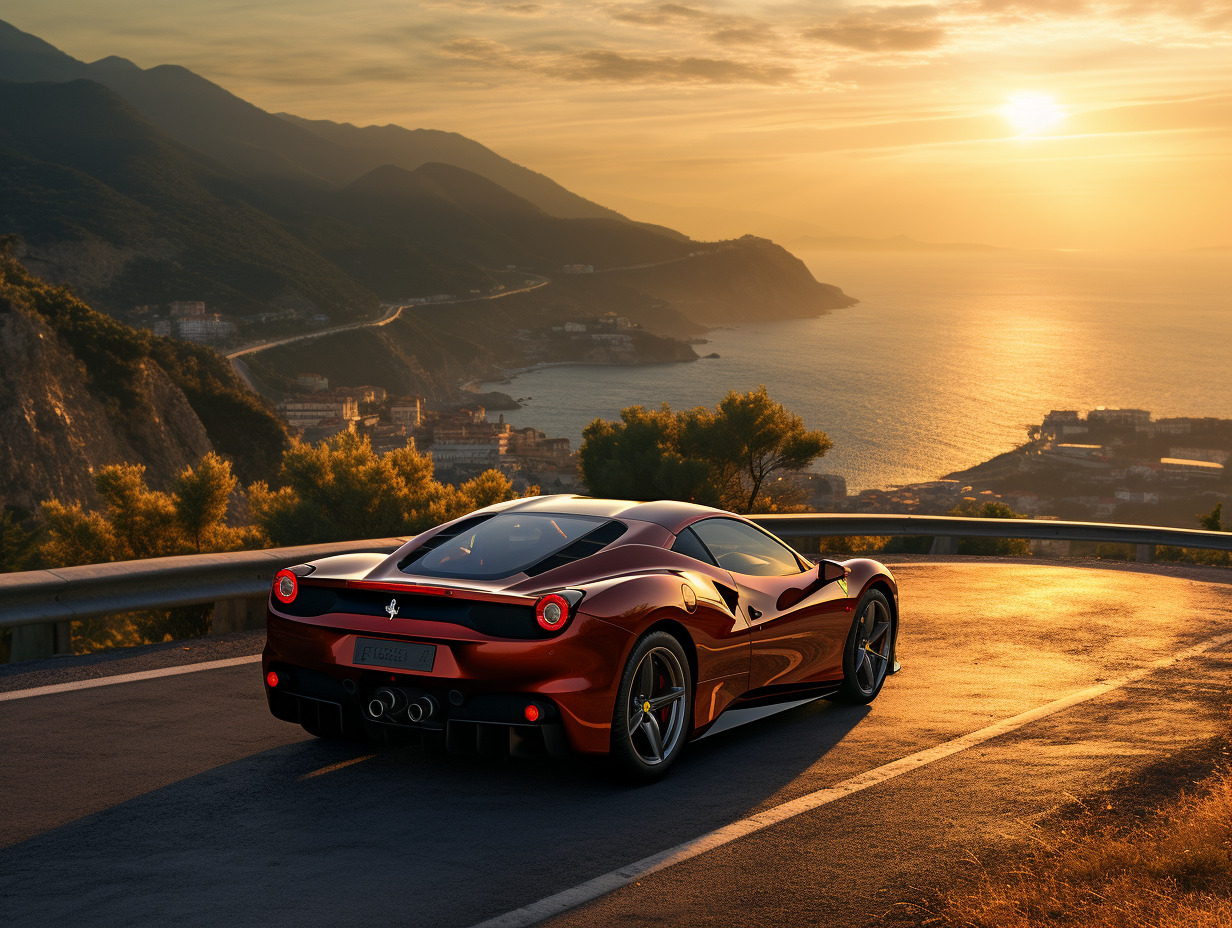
(1032, 113)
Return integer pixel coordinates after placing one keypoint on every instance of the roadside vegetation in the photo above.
(722, 458)
(335, 491)
(341, 490)
(1171, 870)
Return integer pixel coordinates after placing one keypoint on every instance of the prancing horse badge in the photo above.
(392, 609)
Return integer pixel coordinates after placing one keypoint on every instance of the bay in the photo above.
(948, 357)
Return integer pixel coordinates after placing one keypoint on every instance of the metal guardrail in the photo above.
(820, 524)
(69, 593)
(40, 605)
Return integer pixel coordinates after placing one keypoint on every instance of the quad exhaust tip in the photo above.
(421, 709)
(389, 700)
(386, 701)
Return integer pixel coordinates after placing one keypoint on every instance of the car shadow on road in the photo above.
(326, 833)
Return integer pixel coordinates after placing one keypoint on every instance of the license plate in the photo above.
(377, 652)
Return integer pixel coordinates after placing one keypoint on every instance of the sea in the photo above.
(948, 358)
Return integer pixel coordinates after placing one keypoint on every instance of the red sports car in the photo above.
(566, 623)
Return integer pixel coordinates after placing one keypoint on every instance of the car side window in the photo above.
(743, 549)
(688, 544)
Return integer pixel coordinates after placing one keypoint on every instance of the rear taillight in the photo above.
(271, 679)
(286, 585)
(552, 612)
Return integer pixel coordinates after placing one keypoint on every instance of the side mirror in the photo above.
(826, 572)
(829, 571)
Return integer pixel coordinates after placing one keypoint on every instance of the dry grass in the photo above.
(1173, 870)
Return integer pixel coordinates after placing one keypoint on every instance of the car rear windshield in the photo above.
(503, 545)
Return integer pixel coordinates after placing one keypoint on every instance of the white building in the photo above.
(1183, 466)
(408, 414)
(480, 454)
(306, 412)
(204, 330)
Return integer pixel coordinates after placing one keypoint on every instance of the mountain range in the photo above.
(144, 186)
(123, 188)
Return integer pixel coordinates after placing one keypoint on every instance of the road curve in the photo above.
(178, 798)
(390, 315)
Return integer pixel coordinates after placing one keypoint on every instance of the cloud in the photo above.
(486, 52)
(743, 35)
(691, 22)
(659, 14)
(866, 36)
(496, 7)
(884, 29)
(615, 67)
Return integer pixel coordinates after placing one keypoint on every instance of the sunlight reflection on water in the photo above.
(947, 358)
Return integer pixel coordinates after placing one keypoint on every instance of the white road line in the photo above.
(127, 677)
(601, 885)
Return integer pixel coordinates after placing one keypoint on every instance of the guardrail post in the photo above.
(944, 544)
(31, 642)
(238, 615)
(1145, 554)
(64, 638)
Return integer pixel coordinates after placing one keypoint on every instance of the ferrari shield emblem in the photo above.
(842, 585)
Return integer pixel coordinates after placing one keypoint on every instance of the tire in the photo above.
(869, 651)
(654, 708)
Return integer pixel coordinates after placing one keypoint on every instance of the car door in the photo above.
(798, 626)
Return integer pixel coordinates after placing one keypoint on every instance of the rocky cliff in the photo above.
(79, 391)
(55, 432)
(729, 283)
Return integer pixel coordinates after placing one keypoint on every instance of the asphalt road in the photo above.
(179, 800)
(390, 315)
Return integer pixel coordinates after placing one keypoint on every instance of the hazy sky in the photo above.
(781, 118)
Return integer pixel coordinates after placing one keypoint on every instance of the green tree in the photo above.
(341, 489)
(74, 535)
(19, 540)
(201, 497)
(723, 458)
(137, 522)
(142, 519)
(751, 437)
(1213, 520)
(1001, 547)
(639, 458)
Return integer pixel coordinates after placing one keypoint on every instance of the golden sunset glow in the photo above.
(775, 117)
(1032, 113)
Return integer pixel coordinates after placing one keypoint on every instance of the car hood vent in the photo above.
(590, 543)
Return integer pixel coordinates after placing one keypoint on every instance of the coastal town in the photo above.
(461, 440)
(1110, 464)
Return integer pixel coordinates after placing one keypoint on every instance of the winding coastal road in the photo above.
(175, 797)
(393, 313)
